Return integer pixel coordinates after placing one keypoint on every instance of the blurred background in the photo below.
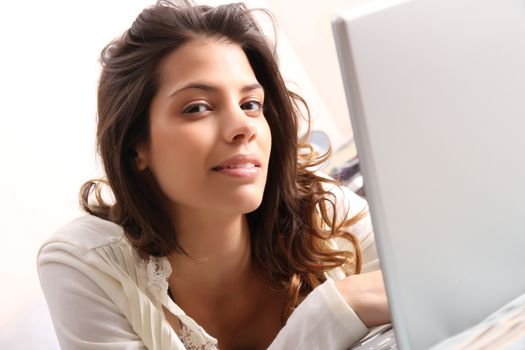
(48, 74)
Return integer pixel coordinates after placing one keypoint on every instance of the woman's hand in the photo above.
(365, 294)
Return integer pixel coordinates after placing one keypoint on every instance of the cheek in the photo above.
(266, 136)
(176, 159)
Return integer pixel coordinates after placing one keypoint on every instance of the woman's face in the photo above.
(209, 142)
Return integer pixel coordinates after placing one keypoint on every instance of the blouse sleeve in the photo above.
(83, 315)
(324, 320)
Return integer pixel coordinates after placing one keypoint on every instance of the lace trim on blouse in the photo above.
(193, 336)
(193, 341)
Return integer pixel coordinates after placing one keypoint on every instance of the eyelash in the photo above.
(188, 110)
(259, 105)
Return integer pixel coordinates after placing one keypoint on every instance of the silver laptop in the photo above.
(436, 93)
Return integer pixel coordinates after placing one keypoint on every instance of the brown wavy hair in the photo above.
(297, 215)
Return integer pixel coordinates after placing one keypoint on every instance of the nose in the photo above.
(238, 126)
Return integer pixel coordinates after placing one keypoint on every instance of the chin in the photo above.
(249, 206)
(246, 204)
(244, 199)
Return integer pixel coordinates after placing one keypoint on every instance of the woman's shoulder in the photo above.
(86, 233)
(86, 241)
(100, 248)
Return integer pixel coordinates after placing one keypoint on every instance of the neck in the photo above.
(219, 261)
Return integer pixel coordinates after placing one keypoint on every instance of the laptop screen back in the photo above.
(436, 92)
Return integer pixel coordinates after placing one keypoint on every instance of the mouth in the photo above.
(242, 162)
(248, 165)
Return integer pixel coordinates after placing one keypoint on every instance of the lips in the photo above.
(236, 166)
(239, 162)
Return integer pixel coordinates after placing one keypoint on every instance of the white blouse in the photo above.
(102, 295)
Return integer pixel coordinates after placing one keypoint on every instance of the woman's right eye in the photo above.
(196, 108)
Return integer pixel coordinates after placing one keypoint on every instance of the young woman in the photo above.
(219, 235)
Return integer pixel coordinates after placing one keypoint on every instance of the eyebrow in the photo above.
(212, 88)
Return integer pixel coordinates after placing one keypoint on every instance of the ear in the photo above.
(141, 157)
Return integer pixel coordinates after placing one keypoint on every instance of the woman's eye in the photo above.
(253, 106)
(196, 108)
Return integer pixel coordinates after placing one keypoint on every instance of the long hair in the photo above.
(297, 215)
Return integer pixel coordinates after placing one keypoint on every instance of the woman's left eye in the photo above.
(254, 106)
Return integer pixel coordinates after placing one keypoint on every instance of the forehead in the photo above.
(206, 60)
